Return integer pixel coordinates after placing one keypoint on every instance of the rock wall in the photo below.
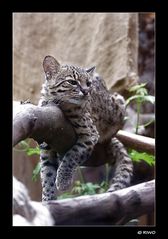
(107, 40)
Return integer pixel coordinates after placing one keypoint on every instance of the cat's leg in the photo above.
(78, 154)
(123, 166)
(49, 165)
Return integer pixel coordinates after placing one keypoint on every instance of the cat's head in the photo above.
(67, 83)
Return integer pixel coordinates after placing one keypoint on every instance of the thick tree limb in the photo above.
(138, 142)
(115, 208)
(48, 124)
(43, 124)
(105, 209)
(27, 212)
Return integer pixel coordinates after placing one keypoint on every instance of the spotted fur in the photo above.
(95, 115)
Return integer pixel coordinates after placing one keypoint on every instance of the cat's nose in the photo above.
(85, 91)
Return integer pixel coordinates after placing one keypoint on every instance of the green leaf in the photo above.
(77, 190)
(142, 91)
(24, 144)
(90, 188)
(141, 98)
(137, 87)
(32, 151)
(103, 186)
(149, 98)
(36, 171)
(85, 188)
(138, 156)
(138, 97)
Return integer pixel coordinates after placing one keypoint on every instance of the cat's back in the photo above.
(99, 84)
(108, 110)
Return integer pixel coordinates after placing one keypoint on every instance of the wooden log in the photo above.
(49, 124)
(115, 208)
(138, 142)
(43, 124)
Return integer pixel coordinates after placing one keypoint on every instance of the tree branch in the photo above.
(116, 208)
(105, 209)
(48, 124)
(43, 124)
(138, 142)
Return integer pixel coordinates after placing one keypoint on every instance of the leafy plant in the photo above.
(138, 156)
(140, 96)
(85, 189)
(33, 151)
(24, 146)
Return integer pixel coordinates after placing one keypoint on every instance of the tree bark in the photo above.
(115, 208)
(43, 124)
(48, 124)
(138, 142)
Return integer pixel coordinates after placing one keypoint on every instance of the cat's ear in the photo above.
(91, 70)
(51, 66)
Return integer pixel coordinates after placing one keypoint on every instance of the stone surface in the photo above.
(107, 40)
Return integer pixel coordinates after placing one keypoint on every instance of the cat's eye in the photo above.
(72, 82)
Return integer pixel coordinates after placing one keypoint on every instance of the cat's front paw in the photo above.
(114, 187)
(118, 98)
(63, 182)
(118, 186)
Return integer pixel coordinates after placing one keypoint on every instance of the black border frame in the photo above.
(6, 99)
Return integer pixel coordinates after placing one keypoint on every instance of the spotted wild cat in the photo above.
(96, 116)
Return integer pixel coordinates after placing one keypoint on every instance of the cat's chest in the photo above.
(78, 114)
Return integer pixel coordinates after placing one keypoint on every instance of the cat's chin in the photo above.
(75, 101)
